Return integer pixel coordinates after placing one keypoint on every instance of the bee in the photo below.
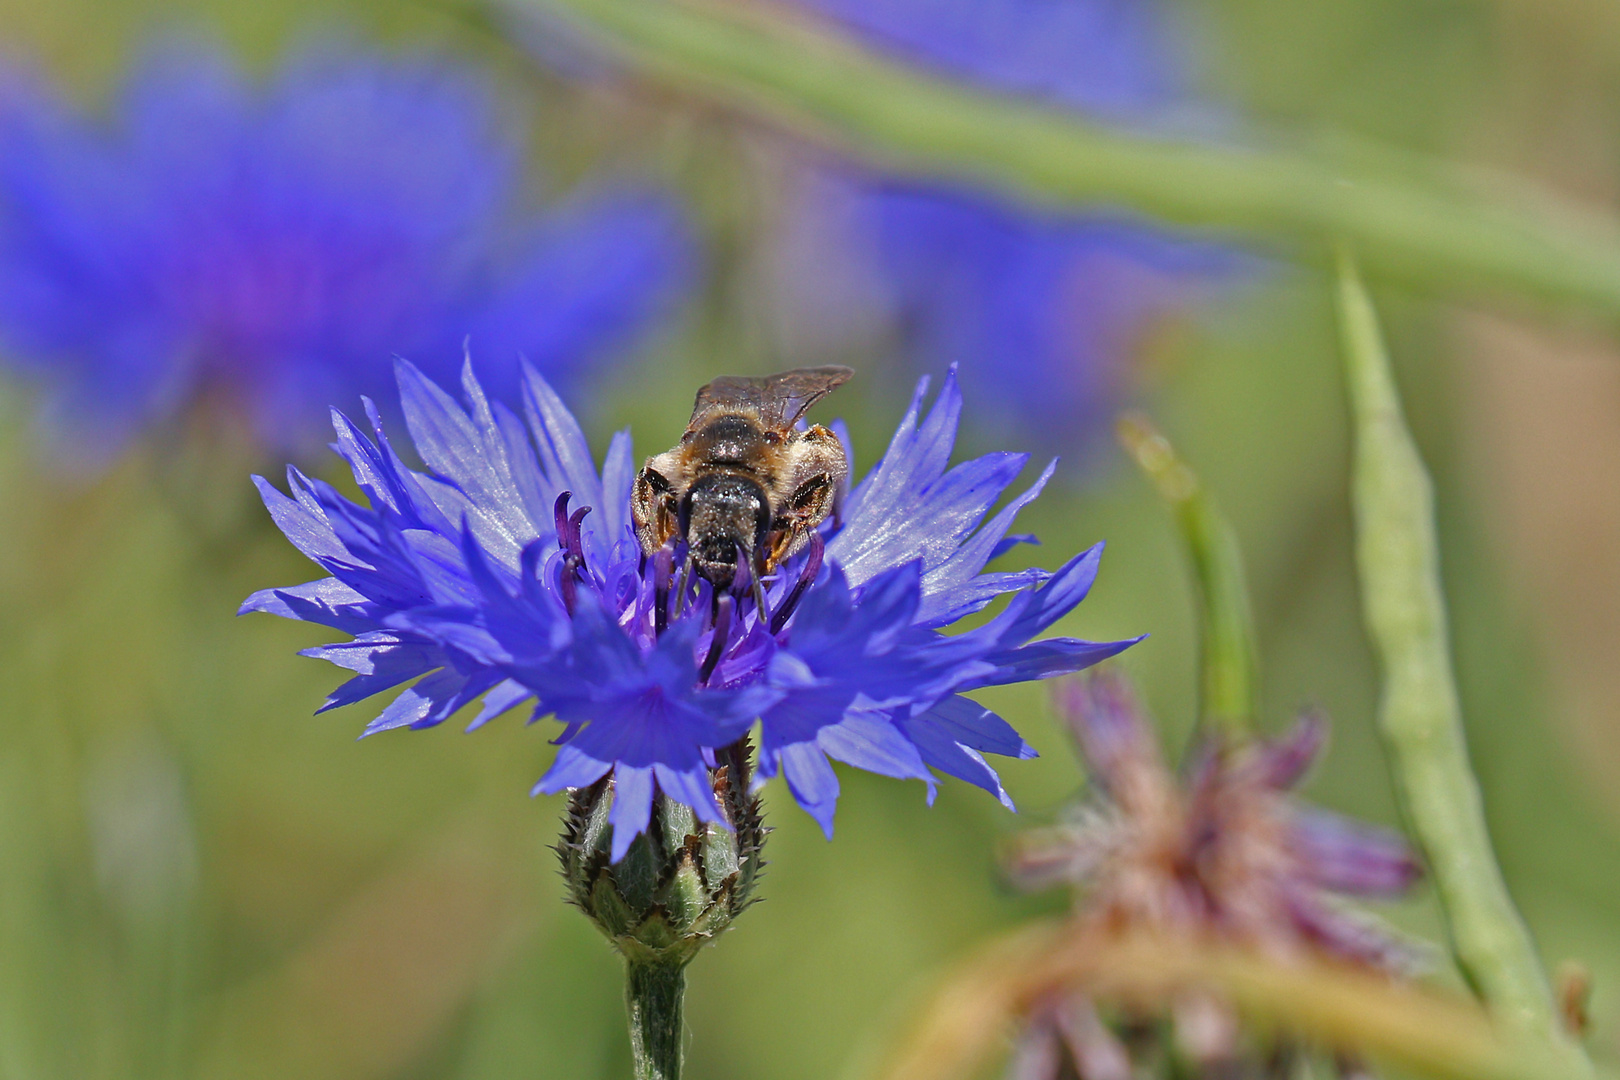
(745, 481)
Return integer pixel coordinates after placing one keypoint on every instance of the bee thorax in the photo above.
(729, 440)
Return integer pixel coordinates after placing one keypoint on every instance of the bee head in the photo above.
(723, 512)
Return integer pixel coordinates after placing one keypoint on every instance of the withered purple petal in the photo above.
(1351, 857)
(1221, 849)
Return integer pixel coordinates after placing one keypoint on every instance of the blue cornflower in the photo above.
(272, 245)
(1040, 309)
(510, 571)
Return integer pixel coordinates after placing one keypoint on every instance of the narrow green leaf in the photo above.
(1398, 558)
(1228, 685)
(1410, 218)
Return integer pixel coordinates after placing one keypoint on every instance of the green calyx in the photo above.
(681, 882)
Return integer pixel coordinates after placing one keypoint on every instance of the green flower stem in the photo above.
(654, 991)
(1399, 563)
(1228, 692)
(1409, 218)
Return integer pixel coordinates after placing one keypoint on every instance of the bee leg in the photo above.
(654, 509)
(783, 543)
(805, 511)
(757, 584)
(718, 639)
(663, 569)
(681, 584)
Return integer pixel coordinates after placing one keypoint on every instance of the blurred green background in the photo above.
(200, 878)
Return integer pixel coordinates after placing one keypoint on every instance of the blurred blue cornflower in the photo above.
(269, 247)
(511, 571)
(1041, 309)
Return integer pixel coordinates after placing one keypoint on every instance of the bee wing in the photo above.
(778, 400)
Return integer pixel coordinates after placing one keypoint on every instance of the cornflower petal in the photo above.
(633, 791)
(468, 449)
(380, 661)
(870, 740)
(958, 588)
(883, 525)
(953, 757)
(504, 697)
(811, 779)
(299, 519)
(965, 721)
(327, 602)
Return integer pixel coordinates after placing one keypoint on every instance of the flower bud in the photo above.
(681, 882)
